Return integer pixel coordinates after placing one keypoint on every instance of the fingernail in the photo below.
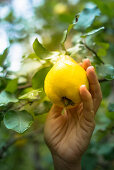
(83, 85)
(91, 67)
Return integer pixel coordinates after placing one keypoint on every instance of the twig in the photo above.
(93, 52)
(24, 86)
(103, 80)
(14, 140)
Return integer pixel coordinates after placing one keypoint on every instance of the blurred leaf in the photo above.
(102, 121)
(105, 149)
(18, 121)
(106, 88)
(88, 163)
(43, 107)
(3, 56)
(12, 86)
(6, 98)
(105, 71)
(32, 56)
(86, 17)
(40, 51)
(111, 107)
(101, 52)
(33, 95)
(38, 79)
(110, 115)
(92, 32)
(103, 45)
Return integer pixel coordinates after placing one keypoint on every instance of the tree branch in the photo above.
(24, 86)
(93, 52)
(103, 80)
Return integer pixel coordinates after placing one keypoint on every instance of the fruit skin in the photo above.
(63, 81)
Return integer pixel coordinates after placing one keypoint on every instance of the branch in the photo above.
(14, 140)
(24, 86)
(103, 80)
(93, 52)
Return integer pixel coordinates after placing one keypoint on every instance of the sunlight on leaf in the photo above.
(33, 95)
(6, 98)
(86, 17)
(40, 51)
(92, 32)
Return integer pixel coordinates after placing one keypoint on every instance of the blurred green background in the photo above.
(22, 99)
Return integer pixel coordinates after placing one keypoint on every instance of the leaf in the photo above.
(65, 34)
(105, 148)
(87, 162)
(92, 32)
(106, 88)
(38, 79)
(6, 98)
(40, 51)
(33, 95)
(3, 56)
(105, 71)
(111, 107)
(87, 17)
(12, 86)
(18, 121)
(42, 108)
(103, 47)
(101, 52)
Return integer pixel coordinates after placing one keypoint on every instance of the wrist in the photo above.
(60, 164)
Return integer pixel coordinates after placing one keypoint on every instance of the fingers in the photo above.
(55, 111)
(87, 103)
(86, 63)
(94, 87)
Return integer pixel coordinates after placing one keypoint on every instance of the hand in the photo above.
(68, 135)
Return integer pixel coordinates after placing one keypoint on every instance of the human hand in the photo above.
(68, 135)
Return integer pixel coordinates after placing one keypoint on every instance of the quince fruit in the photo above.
(63, 81)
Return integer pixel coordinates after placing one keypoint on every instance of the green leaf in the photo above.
(88, 163)
(18, 121)
(12, 86)
(106, 88)
(103, 47)
(105, 71)
(33, 95)
(6, 98)
(42, 108)
(40, 51)
(92, 32)
(101, 52)
(87, 17)
(65, 34)
(111, 107)
(105, 148)
(38, 79)
(3, 56)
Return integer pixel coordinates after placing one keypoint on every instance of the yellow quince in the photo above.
(63, 81)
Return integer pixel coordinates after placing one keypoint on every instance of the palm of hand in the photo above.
(68, 135)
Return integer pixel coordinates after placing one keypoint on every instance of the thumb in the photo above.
(55, 111)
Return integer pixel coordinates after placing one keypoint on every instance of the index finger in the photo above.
(95, 89)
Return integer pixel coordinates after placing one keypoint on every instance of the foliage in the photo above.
(52, 29)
